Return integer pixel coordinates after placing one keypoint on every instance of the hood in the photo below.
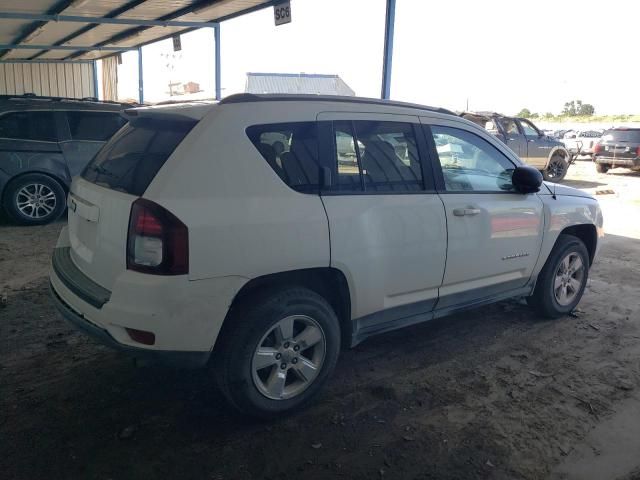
(565, 191)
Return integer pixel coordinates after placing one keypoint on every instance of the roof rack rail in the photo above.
(174, 102)
(33, 96)
(276, 97)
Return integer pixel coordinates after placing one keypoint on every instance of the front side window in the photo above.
(377, 157)
(29, 125)
(509, 126)
(291, 149)
(94, 126)
(529, 129)
(470, 163)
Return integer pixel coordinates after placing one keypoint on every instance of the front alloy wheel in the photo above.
(563, 278)
(569, 279)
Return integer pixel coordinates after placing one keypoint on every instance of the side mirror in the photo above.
(526, 179)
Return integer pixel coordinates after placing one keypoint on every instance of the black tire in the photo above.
(557, 169)
(602, 167)
(47, 208)
(242, 334)
(544, 299)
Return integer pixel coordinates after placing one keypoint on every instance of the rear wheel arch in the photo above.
(587, 233)
(329, 283)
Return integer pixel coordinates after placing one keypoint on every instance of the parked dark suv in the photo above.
(44, 142)
(541, 151)
(618, 147)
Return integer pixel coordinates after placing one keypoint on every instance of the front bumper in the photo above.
(173, 358)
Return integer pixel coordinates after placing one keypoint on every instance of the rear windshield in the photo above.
(630, 136)
(134, 155)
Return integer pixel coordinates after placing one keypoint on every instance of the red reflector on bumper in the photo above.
(140, 336)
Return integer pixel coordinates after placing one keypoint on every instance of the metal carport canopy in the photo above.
(86, 30)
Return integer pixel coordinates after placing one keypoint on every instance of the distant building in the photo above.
(179, 88)
(191, 87)
(315, 84)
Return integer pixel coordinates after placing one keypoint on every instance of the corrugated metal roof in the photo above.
(72, 33)
(315, 84)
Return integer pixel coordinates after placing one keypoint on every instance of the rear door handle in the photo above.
(461, 212)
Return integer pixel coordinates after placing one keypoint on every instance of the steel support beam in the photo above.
(216, 34)
(100, 20)
(95, 78)
(387, 60)
(140, 78)
(73, 48)
(45, 60)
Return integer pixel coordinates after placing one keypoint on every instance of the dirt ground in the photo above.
(494, 393)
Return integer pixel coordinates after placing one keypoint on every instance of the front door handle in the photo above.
(461, 212)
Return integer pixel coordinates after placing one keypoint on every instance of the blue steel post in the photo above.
(387, 61)
(140, 79)
(216, 34)
(94, 64)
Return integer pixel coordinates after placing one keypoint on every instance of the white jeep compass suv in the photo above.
(261, 234)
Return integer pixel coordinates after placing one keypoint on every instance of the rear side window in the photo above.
(626, 136)
(377, 157)
(94, 126)
(291, 149)
(132, 158)
(40, 126)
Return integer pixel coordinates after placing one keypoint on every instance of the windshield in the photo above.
(627, 136)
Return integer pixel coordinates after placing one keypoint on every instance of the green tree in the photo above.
(524, 113)
(586, 109)
(576, 107)
(569, 109)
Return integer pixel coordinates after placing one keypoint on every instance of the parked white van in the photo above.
(237, 235)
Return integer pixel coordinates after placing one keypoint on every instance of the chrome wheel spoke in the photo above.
(576, 264)
(574, 285)
(308, 337)
(305, 369)
(284, 330)
(557, 283)
(276, 383)
(265, 357)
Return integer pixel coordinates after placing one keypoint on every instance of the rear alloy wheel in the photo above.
(277, 351)
(556, 170)
(289, 357)
(602, 167)
(34, 199)
(563, 278)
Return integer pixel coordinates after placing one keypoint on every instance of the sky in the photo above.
(494, 54)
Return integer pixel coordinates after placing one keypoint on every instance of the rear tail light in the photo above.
(638, 151)
(597, 148)
(157, 241)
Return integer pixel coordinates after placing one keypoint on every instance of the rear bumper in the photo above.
(173, 358)
(618, 162)
(184, 315)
